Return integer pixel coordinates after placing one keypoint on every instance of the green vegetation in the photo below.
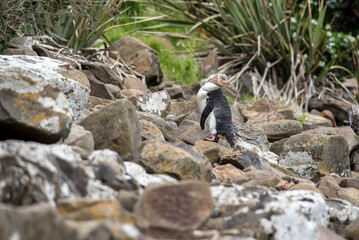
(302, 118)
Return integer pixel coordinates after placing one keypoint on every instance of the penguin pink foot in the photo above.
(213, 139)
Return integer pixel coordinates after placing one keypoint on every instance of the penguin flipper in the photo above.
(206, 111)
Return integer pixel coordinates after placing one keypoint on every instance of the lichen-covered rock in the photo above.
(144, 179)
(34, 222)
(116, 127)
(310, 155)
(181, 207)
(32, 172)
(157, 103)
(32, 109)
(253, 140)
(177, 160)
(52, 71)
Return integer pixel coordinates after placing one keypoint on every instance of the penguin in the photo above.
(214, 106)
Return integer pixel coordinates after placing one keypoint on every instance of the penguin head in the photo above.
(220, 79)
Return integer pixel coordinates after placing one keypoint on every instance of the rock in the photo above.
(347, 132)
(128, 199)
(287, 113)
(116, 127)
(52, 71)
(258, 212)
(98, 88)
(175, 92)
(144, 179)
(350, 182)
(33, 172)
(306, 187)
(253, 118)
(339, 108)
(32, 109)
(166, 129)
(182, 207)
(264, 105)
(212, 154)
(330, 188)
(78, 76)
(34, 222)
(20, 51)
(352, 230)
(180, 110)
(280, 129)
(103, 73)
(110, 170)
(228, 173)
(190, 132)
(142, 57)
(327, 234)
(257, 177)
(310, 155)
(354, 163)
(253, 143)
(245, 158)
(88, 209)
(157, 103)
(81, 138)
(312, 121)
(22, 42)
(135, 83)
(177, 160)
(277, 147)
(210, 64)
(150, 131)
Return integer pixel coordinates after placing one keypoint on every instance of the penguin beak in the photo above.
(225, 81)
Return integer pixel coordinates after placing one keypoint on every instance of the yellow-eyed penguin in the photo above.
(214, 105)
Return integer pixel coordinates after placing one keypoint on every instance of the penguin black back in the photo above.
(222, 112)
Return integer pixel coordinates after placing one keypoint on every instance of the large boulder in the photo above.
(313, 155)
(134, 52)
(116, 127)
(52, 71)
(177, 160)
(32, 109)
(277, 130)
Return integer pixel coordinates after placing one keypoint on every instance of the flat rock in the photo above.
(143, 178)
(228, 174)
(32, 109)
(53, 72)
(311, 155)
(180, 110)
(277, 130)
(182, 206)
(116, 127)
(177, 160)
(190, 132)
(330, 188)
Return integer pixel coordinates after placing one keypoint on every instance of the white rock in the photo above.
(50, 70)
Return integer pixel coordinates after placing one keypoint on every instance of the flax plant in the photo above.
(75, 24)
(279, 38)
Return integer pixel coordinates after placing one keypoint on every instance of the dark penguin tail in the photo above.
(229, 138)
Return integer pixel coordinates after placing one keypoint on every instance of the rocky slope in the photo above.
(93, 150)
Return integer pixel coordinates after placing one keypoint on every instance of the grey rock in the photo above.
(32, 109)
(277, 130)
(190, 132)
(52, 71)
(116, 127)
(177, 160)
(158, 103)
(81, 138)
